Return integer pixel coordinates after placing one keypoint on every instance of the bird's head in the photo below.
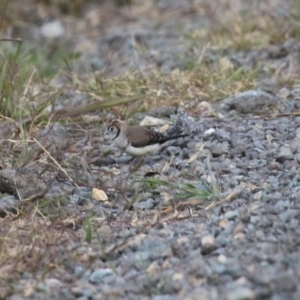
(112, 129)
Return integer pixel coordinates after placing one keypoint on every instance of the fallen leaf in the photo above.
(99, 195)
(164, 128)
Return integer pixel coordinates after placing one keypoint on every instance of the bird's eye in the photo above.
(111, 129)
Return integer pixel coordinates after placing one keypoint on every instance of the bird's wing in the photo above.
(141, 137)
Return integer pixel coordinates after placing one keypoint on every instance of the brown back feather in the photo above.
(142, 136)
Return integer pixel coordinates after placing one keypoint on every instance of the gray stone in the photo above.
(8, 203)
(54, 138)
(25, 184)
(251, 102)
(285, 153)
(81, 195)
(147, 204)
(101, 275)
(230, 215)
(241, 293)
(208, 244)
(209, 132)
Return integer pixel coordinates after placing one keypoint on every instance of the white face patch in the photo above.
(111, 133)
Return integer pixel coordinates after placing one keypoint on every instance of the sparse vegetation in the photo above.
(45, 237)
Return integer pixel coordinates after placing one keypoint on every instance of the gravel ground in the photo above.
(240, 241)
(241, 244)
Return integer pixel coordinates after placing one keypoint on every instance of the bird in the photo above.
(137, 140)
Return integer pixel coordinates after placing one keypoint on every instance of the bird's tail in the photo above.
(173, 137)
